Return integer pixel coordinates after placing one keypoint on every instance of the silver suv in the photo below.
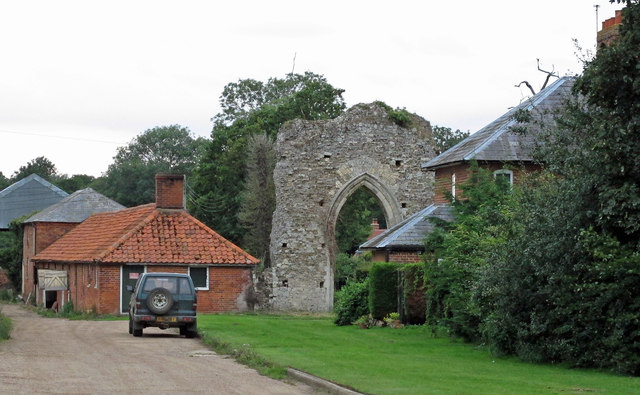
(163, 300)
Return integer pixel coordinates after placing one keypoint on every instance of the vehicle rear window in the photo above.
(168, 283)
(185, 288)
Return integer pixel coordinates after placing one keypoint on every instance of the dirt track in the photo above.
(47, 355)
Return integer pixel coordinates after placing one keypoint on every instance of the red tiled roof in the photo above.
(146, 235)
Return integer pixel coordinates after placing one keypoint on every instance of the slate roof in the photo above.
(76, 207)
(495, 142)
(30, 194)
(145, 235)
(410, 233)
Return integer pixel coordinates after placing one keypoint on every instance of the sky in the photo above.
(78, 79)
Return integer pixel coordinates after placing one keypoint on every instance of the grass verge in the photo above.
(397, 361)
(69, 313)
(246, 356)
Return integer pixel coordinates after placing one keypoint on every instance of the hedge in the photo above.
(383, 289)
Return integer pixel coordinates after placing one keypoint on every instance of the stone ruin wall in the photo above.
(320, 163)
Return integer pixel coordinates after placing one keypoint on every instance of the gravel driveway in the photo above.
(49, 355)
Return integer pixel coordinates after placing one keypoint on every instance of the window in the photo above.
(200, 277)
(504, 176)
(185, 288)
(453, 186)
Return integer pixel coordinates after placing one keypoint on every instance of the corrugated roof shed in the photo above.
(76, 207)
(410, 233)
(496, 141)
(30, 194)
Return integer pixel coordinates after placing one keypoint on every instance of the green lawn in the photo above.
(400, 361)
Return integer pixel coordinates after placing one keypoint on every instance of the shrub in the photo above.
(383, 289)
(351, 268)
(7, 295)
(5, 327)
(351, 302)
(414, 293)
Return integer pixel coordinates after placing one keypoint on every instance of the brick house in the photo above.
(50, 224)
(107, 252)
(496, 147)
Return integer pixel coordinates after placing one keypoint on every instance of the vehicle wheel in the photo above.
(159, 301)
(183, 331)
(191, 331)
(130, 325)
(137, 332)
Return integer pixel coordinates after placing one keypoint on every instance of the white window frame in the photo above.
(505, 171)
(207, 282)
(453, 186)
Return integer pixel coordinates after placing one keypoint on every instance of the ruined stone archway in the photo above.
(321, 163)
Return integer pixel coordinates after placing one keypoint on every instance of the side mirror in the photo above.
(130, 288)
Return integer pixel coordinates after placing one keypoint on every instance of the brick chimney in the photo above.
(170, 191)
(610, 30)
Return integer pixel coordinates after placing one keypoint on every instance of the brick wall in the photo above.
(167, 269)
(610, 30)
(226, 292)
(379, 256)
(109, 289)
(404, 256)
(444, 175)
(97, 287)
(81, 279)
(227, 286)
(38, 236)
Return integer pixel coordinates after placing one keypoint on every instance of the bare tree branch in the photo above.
(549, 74)
(528, 86)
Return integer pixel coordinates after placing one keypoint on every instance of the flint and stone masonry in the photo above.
(321, 163)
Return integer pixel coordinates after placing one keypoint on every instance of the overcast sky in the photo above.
(80, 78)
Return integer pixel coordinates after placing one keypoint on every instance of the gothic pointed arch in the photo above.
(387, 200)
(322, 163)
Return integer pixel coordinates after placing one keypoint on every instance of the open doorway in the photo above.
(50, 299)
(360, 218)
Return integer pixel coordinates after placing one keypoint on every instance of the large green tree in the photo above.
(46, 169)
(353, 225)
(40, 166)
(258, 197)
(566, 285)
(251, 107)
(130, 179)
(445, 137)
(458, 252)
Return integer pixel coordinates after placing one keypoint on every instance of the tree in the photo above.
(258, 198)
(11, 250)
(566, 285)
(75, 182)
(130, 179)
(251, 107)
(353, 225)
(40, 166)
(446, 138)
(461, 250)
(4, 181)
(307, 94)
